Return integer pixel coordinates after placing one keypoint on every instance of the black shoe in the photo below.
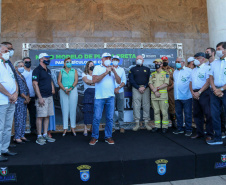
(9, 153)
(25, 140)
(178, 132)
(12, 146)
(164, 130)
(155, 129)
(2, 159)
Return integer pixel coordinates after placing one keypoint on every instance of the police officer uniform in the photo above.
(170, 71)
(139, 77)
(201, 107)
(157, 79)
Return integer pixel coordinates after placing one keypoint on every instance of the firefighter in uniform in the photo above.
(170, 89)
(158, 83)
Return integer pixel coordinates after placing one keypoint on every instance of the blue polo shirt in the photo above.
(44, 80)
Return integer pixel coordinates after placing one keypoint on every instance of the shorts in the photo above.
(46, 110)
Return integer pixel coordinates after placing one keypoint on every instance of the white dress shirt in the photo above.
(182, 80)
(7, 79)
(121, 73)
(199, 76)
(28, 77)
(104, 88)
(218, 71)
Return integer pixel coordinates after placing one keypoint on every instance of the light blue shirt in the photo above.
(28, 77)
(121, 73)
(199, 76)
(218, 71)
(104, 88)
(182, 79)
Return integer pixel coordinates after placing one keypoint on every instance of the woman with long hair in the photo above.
(67, 80)
(89, 94)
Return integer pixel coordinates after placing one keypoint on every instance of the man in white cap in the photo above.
(119, 92)
(44, 89)
(104, 77)
(191, 62)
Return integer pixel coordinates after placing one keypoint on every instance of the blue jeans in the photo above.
(186, 107)
(98, 110)
(216, 107)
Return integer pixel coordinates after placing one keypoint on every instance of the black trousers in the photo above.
(201, 108)
(32, 114)
(223, 120)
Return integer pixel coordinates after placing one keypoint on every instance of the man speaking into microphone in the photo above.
(104, 77)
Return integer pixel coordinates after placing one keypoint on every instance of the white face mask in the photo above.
(21, 69)
(107, 62)
(139, 61)
(11, 53)
(196, 62)
(219, 53)
(115, 62)
(5, 56)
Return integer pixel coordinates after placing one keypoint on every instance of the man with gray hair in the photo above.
(183, 97)
(8, 98)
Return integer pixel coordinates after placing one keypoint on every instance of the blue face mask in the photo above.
(21, 69)
(68, 65)
(178, 65)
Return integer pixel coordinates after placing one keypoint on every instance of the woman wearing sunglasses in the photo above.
(67, 80)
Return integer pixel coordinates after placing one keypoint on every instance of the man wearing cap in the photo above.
(170, 89)
(138, 78)
(158, 83)
(119, 92)
(183, 97)
(200, 90)
(44, 89)
(104, 77)
(191, 62)
(217, 93)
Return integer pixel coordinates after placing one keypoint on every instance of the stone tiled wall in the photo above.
(43, 21)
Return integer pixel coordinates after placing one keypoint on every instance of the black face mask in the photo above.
(27, 64)
(208, 56)
(46, 62)
(165, 64)
(91, 68)
(157, 66)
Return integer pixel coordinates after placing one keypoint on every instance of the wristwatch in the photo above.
(222, 89)
(200, 92)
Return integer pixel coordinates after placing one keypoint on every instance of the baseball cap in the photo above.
(44, 55)
(106, 55)
(116, 56)
(164, 58)
(158, 60)
(200, 54)
(190, 59)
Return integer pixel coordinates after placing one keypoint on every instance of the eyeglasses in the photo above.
(68, 61)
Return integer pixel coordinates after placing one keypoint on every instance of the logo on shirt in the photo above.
(201, 75)
(12, 75)
(34, 77)
(183, 79)
(167, 76)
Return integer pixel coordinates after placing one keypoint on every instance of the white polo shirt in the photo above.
(28, 77)
(199, 76)
(182, 80)
(86, 86)
(121, 73)
(218, 71)
(7, 79)
(104, 88)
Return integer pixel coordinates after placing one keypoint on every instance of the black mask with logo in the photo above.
(91, 68)
(27, 64)
(157, 66)
(46, 62)
(165, 64)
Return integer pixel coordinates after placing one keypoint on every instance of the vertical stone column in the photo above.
(216, 10)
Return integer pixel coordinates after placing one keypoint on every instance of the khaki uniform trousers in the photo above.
(171, 101)
(139, 98)
(160, 106)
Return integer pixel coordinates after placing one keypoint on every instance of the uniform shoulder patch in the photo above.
(167, 75)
